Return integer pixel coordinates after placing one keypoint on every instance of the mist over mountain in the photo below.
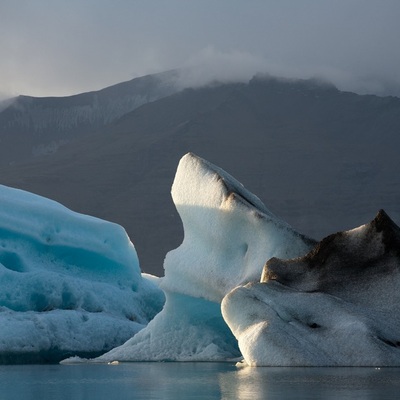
(322, 159)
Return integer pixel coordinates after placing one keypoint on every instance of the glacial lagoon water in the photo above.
(194, 381)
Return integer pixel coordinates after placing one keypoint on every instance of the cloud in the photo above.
(65, 47)
(211, 65)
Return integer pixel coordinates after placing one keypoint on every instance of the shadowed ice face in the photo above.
(338, 305)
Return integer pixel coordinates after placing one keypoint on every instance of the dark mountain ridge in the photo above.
(34, 126)
(322, 159)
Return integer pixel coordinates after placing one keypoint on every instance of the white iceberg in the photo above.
(228, 236)
(69, 284)
(337, 306)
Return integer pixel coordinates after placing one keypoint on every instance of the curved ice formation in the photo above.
(228, 236)
(69, 284)
(337, 306)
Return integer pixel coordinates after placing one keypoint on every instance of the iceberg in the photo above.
(336, 306)
(229, 234)
(70, 284)
(243, 283)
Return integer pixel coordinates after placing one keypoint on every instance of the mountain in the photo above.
(321, 159)
(34, 126)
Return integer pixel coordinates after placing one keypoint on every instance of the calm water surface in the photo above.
(194, 381)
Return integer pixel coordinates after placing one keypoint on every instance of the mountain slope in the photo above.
(322, 159)
(33, 126)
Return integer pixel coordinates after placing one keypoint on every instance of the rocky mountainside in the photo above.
(321, 159)
(34, 126)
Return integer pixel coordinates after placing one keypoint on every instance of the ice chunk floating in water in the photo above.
(337, 306)
(69, 284)
(228, 236)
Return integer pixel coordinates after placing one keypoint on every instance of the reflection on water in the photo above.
(194, 381)
(311, 383)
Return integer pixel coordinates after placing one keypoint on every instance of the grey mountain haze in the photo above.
(322, 159)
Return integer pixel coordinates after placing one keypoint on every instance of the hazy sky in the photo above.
(61, 47)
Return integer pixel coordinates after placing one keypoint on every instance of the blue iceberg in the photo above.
(70, 283)
(242, 283)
